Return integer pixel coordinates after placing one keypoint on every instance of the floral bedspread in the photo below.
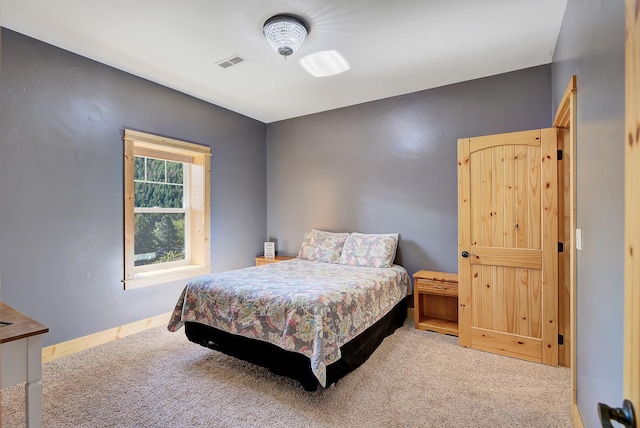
(303, 306)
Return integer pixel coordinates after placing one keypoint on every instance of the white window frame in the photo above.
(197, 208)
(186, 191)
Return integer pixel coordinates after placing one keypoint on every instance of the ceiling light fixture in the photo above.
(285, 33)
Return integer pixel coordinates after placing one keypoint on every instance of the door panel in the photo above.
(522, 205)
(507, 191)
(512, 345)
(499, 306)
(503, 256)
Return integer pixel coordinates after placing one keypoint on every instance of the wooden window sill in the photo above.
(145, 279)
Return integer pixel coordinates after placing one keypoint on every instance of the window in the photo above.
(166, 209)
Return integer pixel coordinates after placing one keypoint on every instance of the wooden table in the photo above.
(21, 358)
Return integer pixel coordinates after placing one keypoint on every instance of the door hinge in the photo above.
(560, 247)
(559, 154)
(560, 339)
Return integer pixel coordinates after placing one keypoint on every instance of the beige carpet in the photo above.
(415, 379)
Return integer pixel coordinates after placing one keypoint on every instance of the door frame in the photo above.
(566, 119)
(632, 206)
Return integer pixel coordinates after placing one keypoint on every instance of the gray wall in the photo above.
(591, 46)
(391, 165)
(61, 181)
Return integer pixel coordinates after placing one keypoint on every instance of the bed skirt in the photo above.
(293, 364)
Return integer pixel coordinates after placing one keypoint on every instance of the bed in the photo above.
(311, 320)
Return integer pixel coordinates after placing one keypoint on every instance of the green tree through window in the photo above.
(158, 186)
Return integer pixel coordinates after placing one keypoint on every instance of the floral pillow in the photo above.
(321, 246)
(370, 250)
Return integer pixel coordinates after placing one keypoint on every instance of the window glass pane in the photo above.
(174, 172)
(149, 195)
(159, 238)
(138, 172)
(155, 170)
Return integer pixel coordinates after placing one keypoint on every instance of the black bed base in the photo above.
(293, 364)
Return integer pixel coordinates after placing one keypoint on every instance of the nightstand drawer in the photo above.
(431, 286)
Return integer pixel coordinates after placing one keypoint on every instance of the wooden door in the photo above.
(631, 387)
(508, 245)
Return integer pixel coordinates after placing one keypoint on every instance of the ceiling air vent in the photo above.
(234, 60)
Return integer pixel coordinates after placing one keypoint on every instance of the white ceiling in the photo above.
(393, 47)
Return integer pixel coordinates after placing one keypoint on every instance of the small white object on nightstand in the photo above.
(269, 250)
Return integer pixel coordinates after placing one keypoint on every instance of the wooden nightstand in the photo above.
(262, 261)
(436, 301)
